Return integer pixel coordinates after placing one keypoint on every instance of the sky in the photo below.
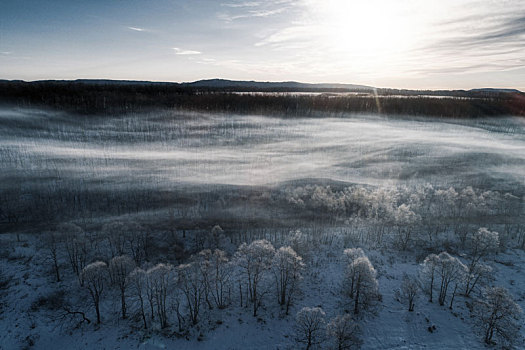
(415, 44)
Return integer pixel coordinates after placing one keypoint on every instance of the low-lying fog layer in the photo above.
(167, 148)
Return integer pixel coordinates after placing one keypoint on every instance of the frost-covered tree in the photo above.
(365, 286)
(409, 290)
(203, 262)
(119, 269)
(216, 238)
(428, 273)
(405, 220)
(343, 331)
(479, 276)
(159, 282)
(191, 283)
(95, 277)
(458, 281)
(479, 245)
(349, 256)
(287, 268)
(450, 269)
(221, 271)
(216, 275)
(310, 326)
(255, 260)
(298, 241)
(137, 280)
(498, 315)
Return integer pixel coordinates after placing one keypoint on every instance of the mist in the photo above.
(168, 148)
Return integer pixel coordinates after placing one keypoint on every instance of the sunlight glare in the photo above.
(361, 31)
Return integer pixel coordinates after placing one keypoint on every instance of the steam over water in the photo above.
(165, 149)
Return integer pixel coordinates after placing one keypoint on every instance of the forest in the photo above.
(108, 97)
(181, 228)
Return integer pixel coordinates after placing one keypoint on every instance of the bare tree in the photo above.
(119, 269)
(287, 268)
(127, 238)
(409, 290)
(498, 315)
(115, 233)
(76, 247)
(138, 282)
(255, 261)
(52, 243)
(342, 330)
(310, 326)
(95, 276)
(137, 239)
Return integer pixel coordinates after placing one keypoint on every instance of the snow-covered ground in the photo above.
(387, 325)
(58, 167)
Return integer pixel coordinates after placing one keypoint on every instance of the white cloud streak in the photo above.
(137, 29)
(179, 51)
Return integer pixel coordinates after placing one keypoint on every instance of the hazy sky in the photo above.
(385, 43)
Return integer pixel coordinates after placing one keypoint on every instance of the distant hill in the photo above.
(495, 90)
(268, 86)
(220, 84)
(225, 84)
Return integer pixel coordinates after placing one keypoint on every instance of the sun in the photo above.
(364, 32)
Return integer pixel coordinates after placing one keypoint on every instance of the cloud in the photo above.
(382, 39)
(242, 4)
(179, 51)
(250, 14)
(475, 43)
(502, 32)
(137, 29)
(254, 9)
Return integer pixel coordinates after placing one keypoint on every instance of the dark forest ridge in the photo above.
(246, 85)
(281, 98)
(224, 83)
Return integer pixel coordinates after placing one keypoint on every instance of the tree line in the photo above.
(87, 97)
(116, 263)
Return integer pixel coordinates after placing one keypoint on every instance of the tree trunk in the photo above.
(123, 303)
(57, 271)
(97, 307)
(356, 302)
(143, 313)
(453, 295)
(431, 286)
